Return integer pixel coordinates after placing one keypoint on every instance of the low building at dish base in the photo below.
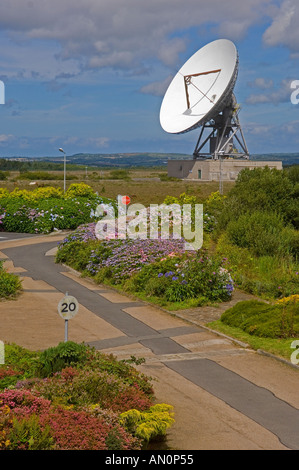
(214, 170)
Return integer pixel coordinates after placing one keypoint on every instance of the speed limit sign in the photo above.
(68, 307)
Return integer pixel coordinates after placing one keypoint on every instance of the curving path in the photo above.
(224, 395)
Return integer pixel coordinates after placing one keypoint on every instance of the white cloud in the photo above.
(98, 142)
(284, 28)
(5, 138)
(275, 96)
(262, 83)
(291, 127)
(118, 34)
(156, 88)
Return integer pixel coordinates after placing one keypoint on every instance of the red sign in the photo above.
(125, 200)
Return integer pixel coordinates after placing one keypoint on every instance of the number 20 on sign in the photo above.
(67, 308)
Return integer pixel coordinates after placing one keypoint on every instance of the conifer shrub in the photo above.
(279, 320)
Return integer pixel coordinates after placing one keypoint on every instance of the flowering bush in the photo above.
(190, 276)
(157, 268)
(45, 209)
(291, 299)
(209, 218)
(78, 408)
(28, 422)
(80, 388)
(119, 259)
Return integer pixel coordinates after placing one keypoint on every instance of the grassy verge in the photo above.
(278, 347)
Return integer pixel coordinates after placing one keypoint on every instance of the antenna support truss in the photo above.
(224, 129)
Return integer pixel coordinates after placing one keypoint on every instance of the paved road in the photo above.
(225, 396)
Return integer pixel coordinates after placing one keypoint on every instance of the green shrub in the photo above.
(269, 276)
(57, 358)
(38, 175)
(265, 190)
(80, 190)
(10, 284)
(264, 320)
(76, 254)
(148, 425)
(119, 174)
(45, 209)
(28, 434)
(21, 359)
(259, 231)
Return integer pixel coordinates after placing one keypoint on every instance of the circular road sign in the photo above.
(126, 200)
(68, 307)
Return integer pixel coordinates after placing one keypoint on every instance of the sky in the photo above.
(89, 76)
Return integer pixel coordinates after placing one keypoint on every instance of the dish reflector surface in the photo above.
(201, 88)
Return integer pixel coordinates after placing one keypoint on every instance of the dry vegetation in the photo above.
(142, 185)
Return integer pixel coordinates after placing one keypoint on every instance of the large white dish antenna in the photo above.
(201, 89)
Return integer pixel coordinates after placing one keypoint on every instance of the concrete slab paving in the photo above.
(223, 394)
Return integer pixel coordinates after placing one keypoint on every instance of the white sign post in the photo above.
(67, 308)
(2, 353)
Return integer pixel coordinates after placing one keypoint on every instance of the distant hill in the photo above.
(285, 158)
(122, 160)
(129, 160)
(149, 160)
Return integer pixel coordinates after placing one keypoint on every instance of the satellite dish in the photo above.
(200, 91)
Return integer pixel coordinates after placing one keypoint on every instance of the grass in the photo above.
(144, 185)
(278, 347)
(268, 277)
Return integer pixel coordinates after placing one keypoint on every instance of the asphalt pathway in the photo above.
(180, 355)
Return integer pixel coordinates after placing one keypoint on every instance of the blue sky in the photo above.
(90, 76)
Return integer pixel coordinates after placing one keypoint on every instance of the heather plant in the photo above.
(31, 423)
(123, 369)
(79, 388)
(75, 408)
(80, 430)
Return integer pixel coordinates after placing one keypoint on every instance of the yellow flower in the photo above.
(287, 300)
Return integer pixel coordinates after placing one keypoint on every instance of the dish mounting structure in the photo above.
(201, 95)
